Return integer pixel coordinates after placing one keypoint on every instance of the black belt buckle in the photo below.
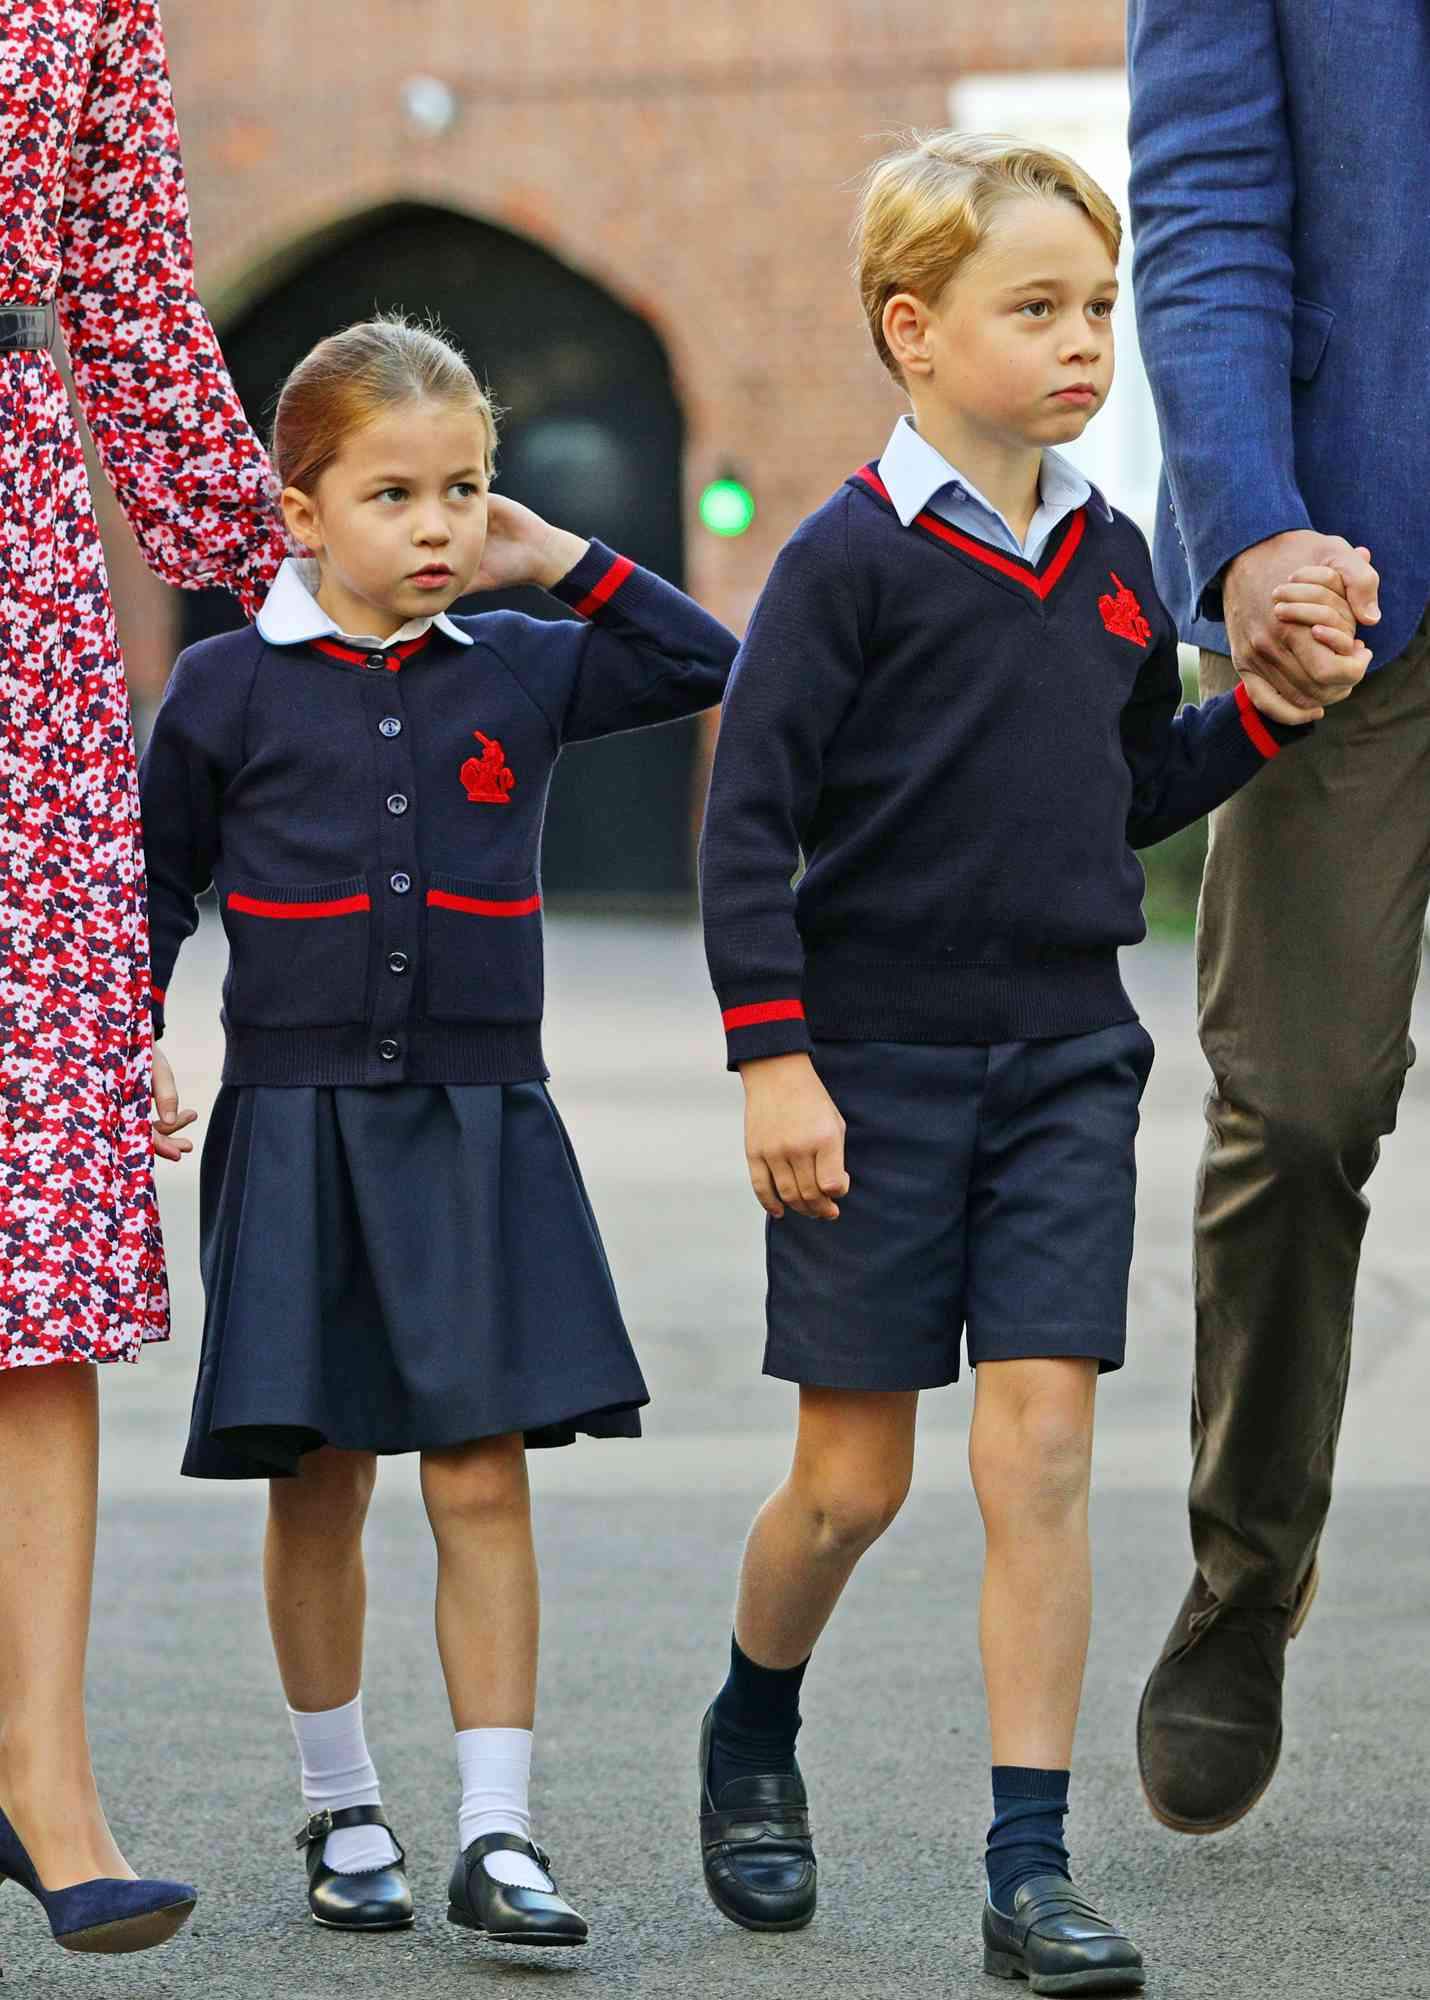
(25, 329)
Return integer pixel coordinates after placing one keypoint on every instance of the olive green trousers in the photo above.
(1309, 941)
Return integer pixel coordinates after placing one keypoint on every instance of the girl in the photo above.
(398, 1253)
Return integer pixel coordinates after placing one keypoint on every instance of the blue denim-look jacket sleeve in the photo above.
(1212, 194)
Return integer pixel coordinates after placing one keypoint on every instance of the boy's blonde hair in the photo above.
(354, 376)
(926, 209)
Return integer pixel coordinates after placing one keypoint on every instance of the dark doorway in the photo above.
(592, 438)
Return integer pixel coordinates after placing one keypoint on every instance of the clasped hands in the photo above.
(1293, 604)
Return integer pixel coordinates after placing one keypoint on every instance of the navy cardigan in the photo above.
(965, 747)
(372, 823)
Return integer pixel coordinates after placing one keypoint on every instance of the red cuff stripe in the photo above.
(478, 906)
(253, 906)
(156, 993)
(1253, 725)
(763, 1010)
(606, 589)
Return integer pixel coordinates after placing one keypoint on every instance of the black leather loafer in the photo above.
(377, 1900)
(503, 1911)
(755, 1846)
(1057, 1941)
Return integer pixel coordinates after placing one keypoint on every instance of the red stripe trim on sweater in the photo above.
(156, 992)
(606, 589)
(1040, 585)
(254, 906)
(763, 1010)
(479, 906)
(1253, 725)
(393, 657)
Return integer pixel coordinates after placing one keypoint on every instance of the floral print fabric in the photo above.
(94, 220)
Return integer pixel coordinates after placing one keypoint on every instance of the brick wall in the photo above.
(698, 159)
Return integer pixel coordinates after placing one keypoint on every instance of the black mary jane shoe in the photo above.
(1059, 1943)
(755, 1846)
(380, 1899)
(506, 1912)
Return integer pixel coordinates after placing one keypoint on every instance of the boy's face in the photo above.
(1019, 346)
(399, 519)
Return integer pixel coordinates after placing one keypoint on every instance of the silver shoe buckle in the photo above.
(319, 1825)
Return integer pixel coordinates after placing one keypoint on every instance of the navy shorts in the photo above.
(991, 1188)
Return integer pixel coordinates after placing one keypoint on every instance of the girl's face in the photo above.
(398, 521)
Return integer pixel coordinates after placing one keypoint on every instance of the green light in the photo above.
(726, 507)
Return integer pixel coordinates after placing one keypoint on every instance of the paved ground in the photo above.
(1310, 1898)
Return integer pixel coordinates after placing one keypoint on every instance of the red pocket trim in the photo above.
(253, 906)
(479, 906)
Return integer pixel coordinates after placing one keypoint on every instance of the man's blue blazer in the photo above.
(1281, 224)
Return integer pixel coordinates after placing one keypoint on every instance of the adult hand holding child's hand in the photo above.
(1294, 642)
(794, 1138)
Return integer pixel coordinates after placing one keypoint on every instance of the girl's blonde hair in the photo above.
(927, 208)
(354, 376)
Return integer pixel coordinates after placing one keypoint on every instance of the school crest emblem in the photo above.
(1122, 614)
(487, 779)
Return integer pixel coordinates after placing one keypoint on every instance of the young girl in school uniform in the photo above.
(398, 1252)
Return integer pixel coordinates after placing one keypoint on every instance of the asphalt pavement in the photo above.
(1323, 1891)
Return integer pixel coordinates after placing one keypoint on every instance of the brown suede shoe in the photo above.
(1209, 1728)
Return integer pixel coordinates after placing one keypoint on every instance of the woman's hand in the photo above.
(522, 548)
(168, 1119)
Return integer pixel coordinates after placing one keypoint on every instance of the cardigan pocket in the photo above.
(484, 949)
(298, 955)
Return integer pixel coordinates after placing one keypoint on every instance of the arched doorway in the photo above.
(592, 438)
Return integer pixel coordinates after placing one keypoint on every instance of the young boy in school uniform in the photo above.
(958, 699)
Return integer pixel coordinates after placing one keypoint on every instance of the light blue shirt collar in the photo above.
(292, 615)
(913, 473)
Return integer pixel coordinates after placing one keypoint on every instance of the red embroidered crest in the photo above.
(1122, 615)
(488, 780)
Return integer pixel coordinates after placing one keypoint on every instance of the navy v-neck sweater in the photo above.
(966, 748)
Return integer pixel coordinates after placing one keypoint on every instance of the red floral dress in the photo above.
(94, 219)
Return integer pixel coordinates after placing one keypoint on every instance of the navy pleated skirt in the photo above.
(396, 1270)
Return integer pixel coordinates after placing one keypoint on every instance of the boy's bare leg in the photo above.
(1030, 1453)
(488, 1598)
(853, 1460)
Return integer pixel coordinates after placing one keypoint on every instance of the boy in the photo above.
(958, 698)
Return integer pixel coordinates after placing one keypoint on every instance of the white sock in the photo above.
(496, 1779)
(338, 1772)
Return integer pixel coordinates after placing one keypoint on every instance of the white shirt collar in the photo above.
(913, 471)
(292, 615)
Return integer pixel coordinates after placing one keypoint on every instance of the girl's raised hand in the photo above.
(168, 1119)
(522, 548)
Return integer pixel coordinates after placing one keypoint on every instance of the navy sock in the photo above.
(756, 1720)
(1026, 1837)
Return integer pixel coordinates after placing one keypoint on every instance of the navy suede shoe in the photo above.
(104, 1915)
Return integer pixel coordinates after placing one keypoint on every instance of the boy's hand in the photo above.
(1314, 599)
(522, 548)
(794, 1138)
(168, 1119)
